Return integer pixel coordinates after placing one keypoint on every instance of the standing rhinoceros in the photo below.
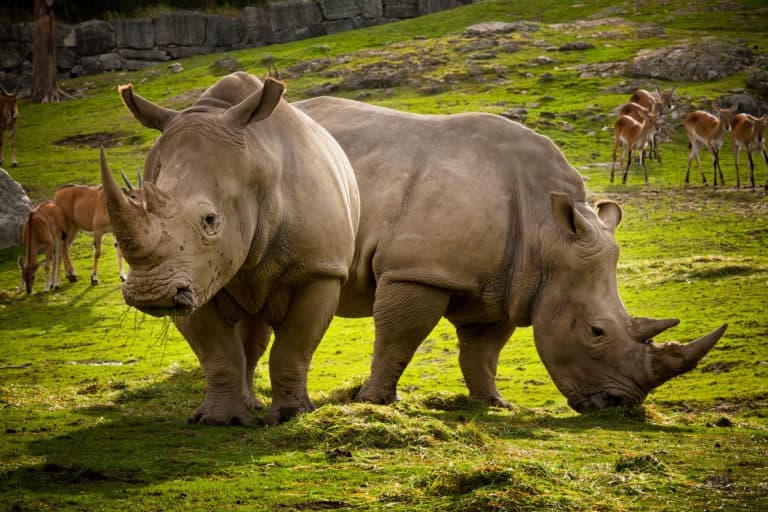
(482, 221)
(247, 226)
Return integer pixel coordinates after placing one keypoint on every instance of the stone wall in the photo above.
(130, 44)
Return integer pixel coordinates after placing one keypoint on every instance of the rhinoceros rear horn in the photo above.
(643, 329)
(258, 106)
(147, 113)
(672, 359)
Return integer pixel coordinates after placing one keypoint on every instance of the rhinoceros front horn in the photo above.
(126, 218)
(672, 359)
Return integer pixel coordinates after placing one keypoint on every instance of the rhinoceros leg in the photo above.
(403, 313)
(479, 349)
(254, 334)
(220, 352)
(310, 312)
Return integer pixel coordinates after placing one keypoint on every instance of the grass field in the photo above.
(94, 396)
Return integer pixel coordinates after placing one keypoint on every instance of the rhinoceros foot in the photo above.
(222, 415)
(376, 395)
(496, 401)
(280, 414)
(253, 403)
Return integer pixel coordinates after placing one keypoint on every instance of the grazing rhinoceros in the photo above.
(482, 221)
(247, 226)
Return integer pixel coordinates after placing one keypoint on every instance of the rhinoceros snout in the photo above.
(184, 299)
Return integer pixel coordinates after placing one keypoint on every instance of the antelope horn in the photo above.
(643, 329)
(4, 90)
(672, 359)
(140, 181)
(126, 180)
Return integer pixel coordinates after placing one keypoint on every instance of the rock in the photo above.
(500, 27)
(95, 37)
(746, 103)
(399, 8)
(576, 45)
(516, 114)
(340, 9)
(223, 31)
(183, 29)
(176, 67)
(136, 33)
(709, 60)
(757, 75)
(322, 89)
(14, 208)
(226, 65)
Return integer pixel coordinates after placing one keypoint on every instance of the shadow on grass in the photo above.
(141, 438)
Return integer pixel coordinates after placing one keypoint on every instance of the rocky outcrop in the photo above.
(14, 208)
(129, 44)
(701, 61)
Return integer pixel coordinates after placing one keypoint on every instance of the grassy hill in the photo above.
(94, 395)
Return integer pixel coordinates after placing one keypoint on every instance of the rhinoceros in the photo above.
(478, 219)
(246, 227)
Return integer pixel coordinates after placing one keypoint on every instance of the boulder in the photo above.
(66, 36)
(257, 25)
(223, 31)
(138, 33)
(14, 208)
(11, 55)
(500, 27)
(182, 29)
(340, 9)
(399, 8)
(294, 14)
(95, 37)
(707, 60)
(424, 7)
(757, 75)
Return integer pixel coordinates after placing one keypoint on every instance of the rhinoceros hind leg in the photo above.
(479, 349)
(404, 313)
(310, 312)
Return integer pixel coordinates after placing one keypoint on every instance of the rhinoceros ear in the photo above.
(568, 217)
(610, 213)
(258, 106)
(147, 113)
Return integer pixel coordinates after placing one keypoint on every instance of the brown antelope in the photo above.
(705, 129)
(84, 208)
(42, 233)
(656, 102)
(9, 113)
(747, 132)
(631, 135)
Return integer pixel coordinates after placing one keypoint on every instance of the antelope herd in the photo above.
(638, 121)
(52, 227)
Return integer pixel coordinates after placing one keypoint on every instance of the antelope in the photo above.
(747, 132)
(42, 233)
(655, 102)
(9, 113)
(632, 135)
(709, 130)
(84, 208)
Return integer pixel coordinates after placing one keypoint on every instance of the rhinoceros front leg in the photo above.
(404, 313)
(220, 352)
(479, 349)
(254, 334)
(310, 312)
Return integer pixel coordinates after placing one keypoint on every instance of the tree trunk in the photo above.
(44, 87)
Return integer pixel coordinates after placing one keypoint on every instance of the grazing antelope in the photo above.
(656, 102)
(708, 130)
(747, 132)
(42, 233)
(631, 135)
(9, 113)
(84, 208)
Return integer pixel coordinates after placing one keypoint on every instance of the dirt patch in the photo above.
(95, 140)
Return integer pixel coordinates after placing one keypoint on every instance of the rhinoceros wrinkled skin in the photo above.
(480, 220)
(247, 227)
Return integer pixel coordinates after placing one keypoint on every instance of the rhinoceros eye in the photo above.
(210, 224)
(596, 331)
(210, 219)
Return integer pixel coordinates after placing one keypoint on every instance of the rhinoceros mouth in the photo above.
(176, 300)
(603, 400)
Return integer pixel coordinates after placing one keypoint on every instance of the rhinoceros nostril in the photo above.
(184, 298)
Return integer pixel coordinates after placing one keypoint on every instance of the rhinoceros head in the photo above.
(191, 231)
(597, 354)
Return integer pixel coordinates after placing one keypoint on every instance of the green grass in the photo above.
(94, 396)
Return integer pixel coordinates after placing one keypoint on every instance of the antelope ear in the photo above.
(147, 113)
(610, 213)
